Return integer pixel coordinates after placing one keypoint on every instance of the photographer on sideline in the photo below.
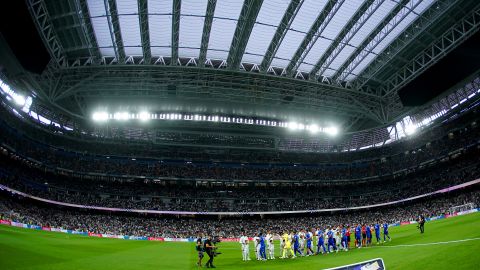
(199, 248)
(421, 223)
(210, 249)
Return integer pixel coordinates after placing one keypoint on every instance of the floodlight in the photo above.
(292, 125)
(313, 128)
(410, 129)
(144, 116)
(19, 99)
(332, 131)
(121, 116)
(100, 116)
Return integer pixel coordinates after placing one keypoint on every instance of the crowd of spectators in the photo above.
(192, 196)
(162, 226)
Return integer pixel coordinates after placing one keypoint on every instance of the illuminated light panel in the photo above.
(313, 128)
(144, 116)
(122, 116)
(100, 116)
(410, 129)
(332, 131)
(19, 100)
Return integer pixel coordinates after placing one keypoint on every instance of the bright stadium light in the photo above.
(292, 125)
(19, 99)
(144, 116)
(410, 129)
(121, 116)
(313, 128)
(100, 116)
(332, 131)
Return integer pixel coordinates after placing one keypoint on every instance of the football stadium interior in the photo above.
(240, 134)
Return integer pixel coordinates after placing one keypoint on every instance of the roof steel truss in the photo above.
(175, 31)
(44, 26)
(86, 24)
(419, 26)
(242, 32)
(360, 53)
(114, 24)
(280, 33)
(455, 35)
(350, 29)
(144, 30)
(207, 27)
(313, 34)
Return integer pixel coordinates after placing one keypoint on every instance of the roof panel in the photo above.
(422, 6)
(160, 27)
(393, 33)
(268, 19)
(372, 22)
(190, 34)
(100, 27)
(223, 28)
(306, 66)
(277, 62)
(130, 27)
(189, 52)
(191, 27)
(258, 43)
(194, 7)
(315, 53)
(339, 60)
(306, 16)
(96, 8)
(289, 46)
(341, 18)
(102, 34)
(403, 19)
(364, 63)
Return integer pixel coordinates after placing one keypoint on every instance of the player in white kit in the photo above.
(245, 250)
(270, 246)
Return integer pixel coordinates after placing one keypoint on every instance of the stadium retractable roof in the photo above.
(287, 59)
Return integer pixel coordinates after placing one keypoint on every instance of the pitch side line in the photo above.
(411, 245)
(433, 243)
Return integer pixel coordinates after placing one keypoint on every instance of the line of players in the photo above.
(302, 242)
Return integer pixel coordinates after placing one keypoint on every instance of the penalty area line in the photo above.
(432, 243)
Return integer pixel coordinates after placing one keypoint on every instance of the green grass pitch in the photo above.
(29, 249)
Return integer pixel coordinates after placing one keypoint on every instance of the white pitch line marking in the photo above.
(433, 243)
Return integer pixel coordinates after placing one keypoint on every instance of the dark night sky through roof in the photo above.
(22, 36)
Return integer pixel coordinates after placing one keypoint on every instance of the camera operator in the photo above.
(421, 223)
(199, 248)
(210, 247)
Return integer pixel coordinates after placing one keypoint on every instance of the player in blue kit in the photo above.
(263, 254)
(296, 245)
(309, 237)
(331, 242)
(369, 235)
(358, 236)
(385, 233)
(321, 242)
(377, 232)
(344, 238)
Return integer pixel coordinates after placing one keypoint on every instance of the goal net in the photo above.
(463, 207)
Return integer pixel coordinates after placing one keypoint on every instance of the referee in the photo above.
(209, 248)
